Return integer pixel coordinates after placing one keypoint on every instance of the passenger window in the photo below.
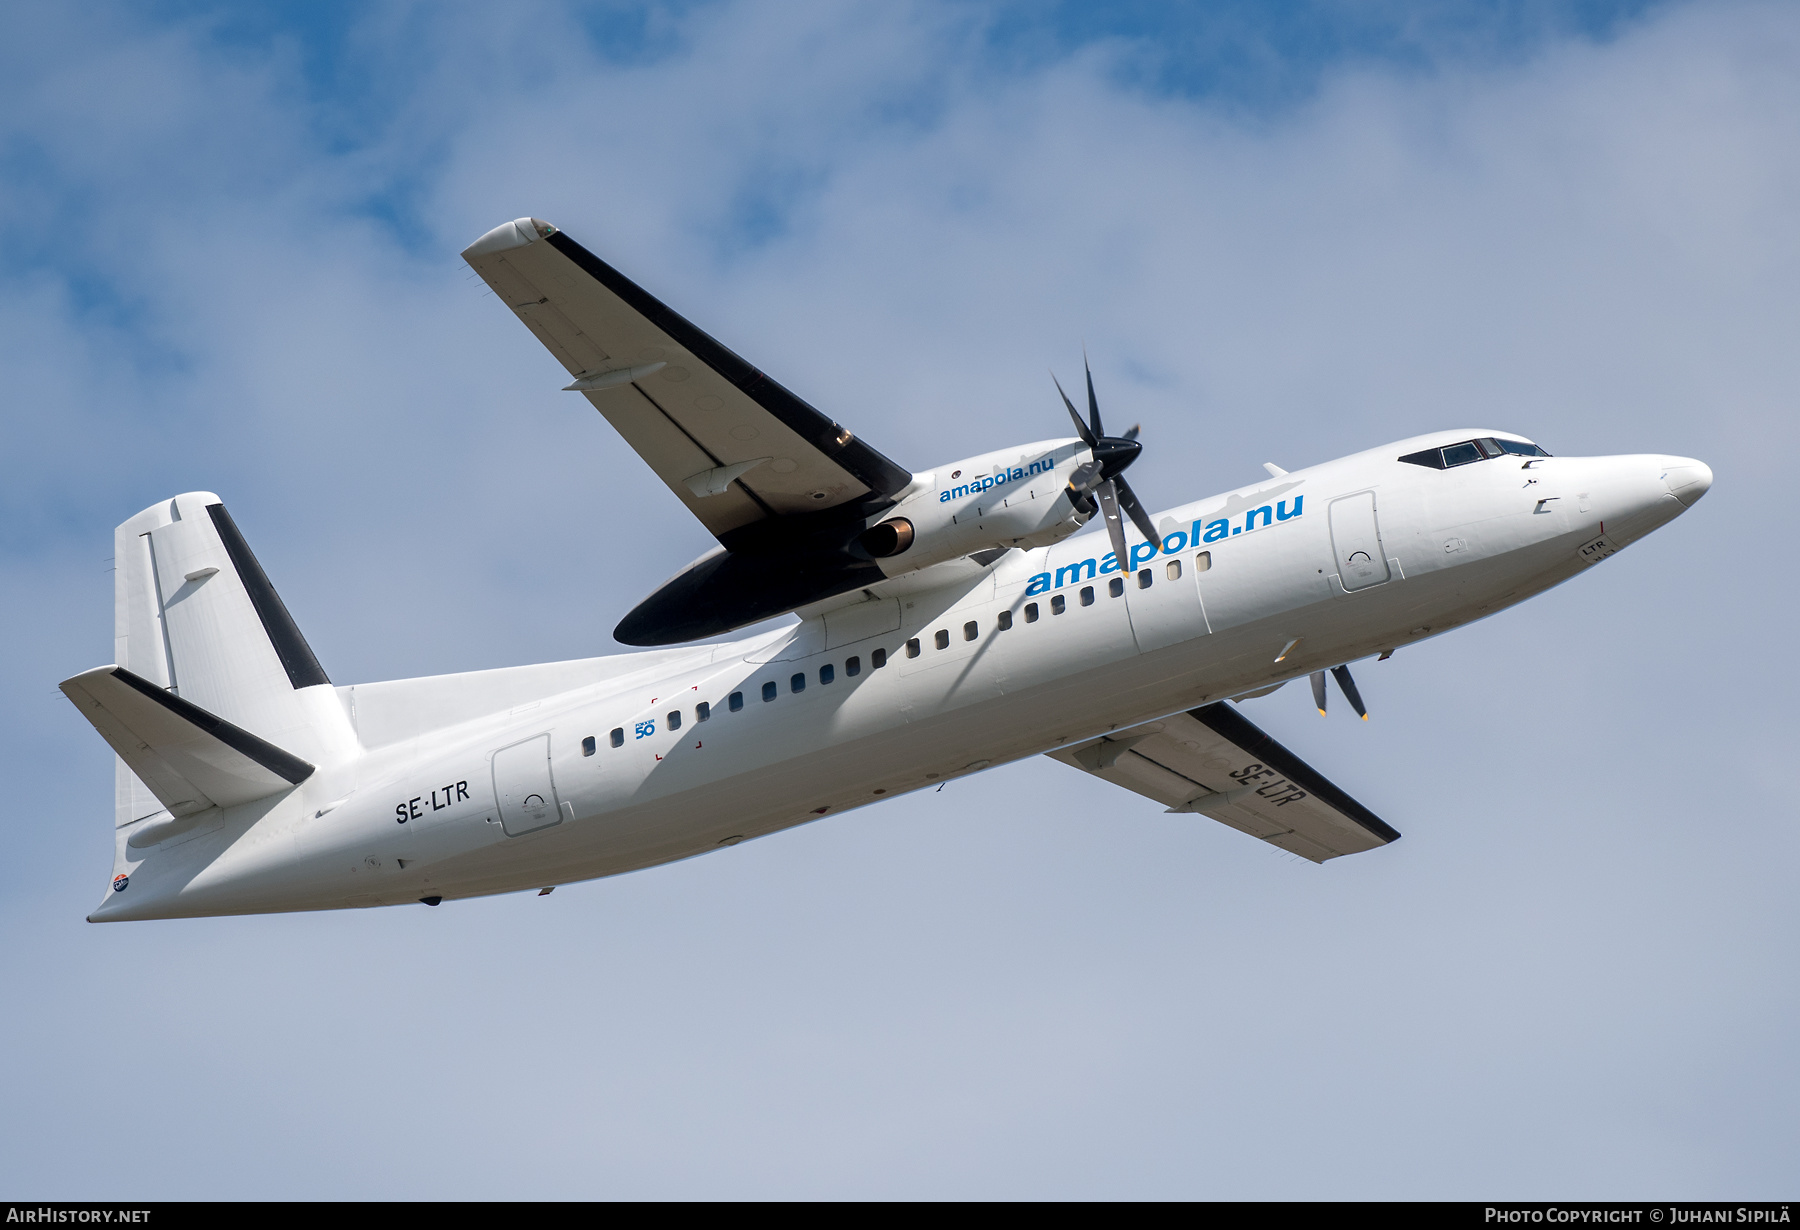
(798, 682)
(853, 666)
(912, 648)
(1087, 595)
(878, 659)
(1173, 569)
(827, 673)
(971, 631)
(587, 746)
(1116, 587)
(1057, 605)
(769, 691)
(1004, 620)
(1203, 561)
(941, 638)
(1031, 614)
(674, 719)
(702, 711)
(736, 702)
(1461, 454)
(617, 736)
(1144, 578)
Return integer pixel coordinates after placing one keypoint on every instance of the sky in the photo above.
(1284, 232)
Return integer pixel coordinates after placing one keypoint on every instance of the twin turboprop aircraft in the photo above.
(949, 620)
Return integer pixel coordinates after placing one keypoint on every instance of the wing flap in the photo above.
(700, 408)
(676, 457)
(190, 759)
(1215, 762)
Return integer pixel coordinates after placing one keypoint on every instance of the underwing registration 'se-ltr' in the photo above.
(949, 620)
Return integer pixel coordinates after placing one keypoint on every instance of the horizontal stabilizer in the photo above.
(190, 759)
(1216, 762)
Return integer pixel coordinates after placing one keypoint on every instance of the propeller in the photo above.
(1342, 675)
(1104, 476)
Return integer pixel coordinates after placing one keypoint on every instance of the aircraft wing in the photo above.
(1216, 762)
(735, 447)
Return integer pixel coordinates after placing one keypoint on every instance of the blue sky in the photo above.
(349, 69)
(1284, 232)
(1246, 53)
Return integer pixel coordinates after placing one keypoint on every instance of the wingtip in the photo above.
(508, 235)
(93, 672)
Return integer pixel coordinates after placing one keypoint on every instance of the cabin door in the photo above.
(1356, 541)
(522, 785)
(1164, 600)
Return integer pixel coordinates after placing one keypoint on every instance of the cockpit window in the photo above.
(1519, 448)
(1470, 451)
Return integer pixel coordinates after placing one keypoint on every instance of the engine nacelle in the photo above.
(1014, 497)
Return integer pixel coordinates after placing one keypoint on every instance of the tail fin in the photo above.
(195, 616)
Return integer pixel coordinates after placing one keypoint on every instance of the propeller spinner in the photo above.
(1104, 476)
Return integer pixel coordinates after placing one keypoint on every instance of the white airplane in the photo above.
(948, 622)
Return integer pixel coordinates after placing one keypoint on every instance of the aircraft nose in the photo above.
(1687, 479)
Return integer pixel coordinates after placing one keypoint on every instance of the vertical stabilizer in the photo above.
(195, 615)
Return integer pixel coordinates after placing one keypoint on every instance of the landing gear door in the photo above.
(522, 785)
(1356, 541)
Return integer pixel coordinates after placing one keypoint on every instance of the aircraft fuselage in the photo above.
(939, 674)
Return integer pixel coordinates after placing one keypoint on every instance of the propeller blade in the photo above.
(1131, 433)
(1318, 685)
(1342, 675)
(1115, 525)
(1093, 403)
(1134, 509)
(1081, 428)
